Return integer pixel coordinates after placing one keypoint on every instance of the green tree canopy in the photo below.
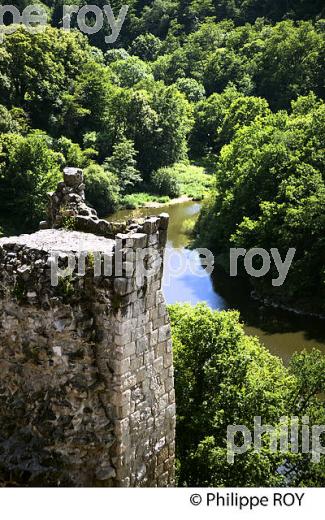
(225, 378)
(270, 194)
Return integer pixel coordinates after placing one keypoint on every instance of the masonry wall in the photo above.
(86, 370)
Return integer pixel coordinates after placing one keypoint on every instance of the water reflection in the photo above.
(189, 285)
(283, 333)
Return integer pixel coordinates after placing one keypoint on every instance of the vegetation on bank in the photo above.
(173, 182)
(225, 378)
(140, 200)
(270, 193)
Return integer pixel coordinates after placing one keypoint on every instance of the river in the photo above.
(282, 332)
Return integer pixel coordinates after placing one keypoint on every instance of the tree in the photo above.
(87, 106)
(242, 112)
(146, 46)
(28, 170)
(209, 116)
(102, 189)
(130, 71)
(72, 153)
(271, 194)
(123, 165)
(192, 89)
(225, 68)
(291, 63)
(174, 124)
(158, 122)
(225, 378)
(115, 55)
(13, 121)
(36, 69)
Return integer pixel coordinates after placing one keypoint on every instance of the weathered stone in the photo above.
(43, 224)
(105, 473)
(164, 221)
(151, 225)
(73, 177)
(87, 394)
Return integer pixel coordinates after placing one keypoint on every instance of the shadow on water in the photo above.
(283, 333)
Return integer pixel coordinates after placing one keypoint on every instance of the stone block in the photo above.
(137, 241)
(164, 333)
(150, 225)
(163, 221)
(123, 286)
(73, 177)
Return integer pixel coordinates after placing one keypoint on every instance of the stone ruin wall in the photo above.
(86, 370)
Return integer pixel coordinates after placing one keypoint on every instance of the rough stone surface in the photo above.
(86, 370)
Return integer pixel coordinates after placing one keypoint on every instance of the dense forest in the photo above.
(196, 96)
(235, 87)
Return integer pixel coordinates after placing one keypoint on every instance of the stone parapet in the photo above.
(86, 369)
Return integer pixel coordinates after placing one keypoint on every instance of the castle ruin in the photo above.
(86, 368)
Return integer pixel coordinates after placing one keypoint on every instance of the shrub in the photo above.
(164, 182)
(28, 170)
(193, 180)
(102, 190)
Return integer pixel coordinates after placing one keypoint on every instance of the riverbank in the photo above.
(171, 202)
(276, 305)
(145, 200)
(193, 182)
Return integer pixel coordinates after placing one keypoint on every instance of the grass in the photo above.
(193, 180)
(194, 183)
(139, 200)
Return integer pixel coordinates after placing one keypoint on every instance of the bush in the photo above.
(193, 180)
(102, 190)
(164, 182)
(28, 170)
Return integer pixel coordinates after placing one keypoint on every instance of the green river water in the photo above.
(281, 332)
